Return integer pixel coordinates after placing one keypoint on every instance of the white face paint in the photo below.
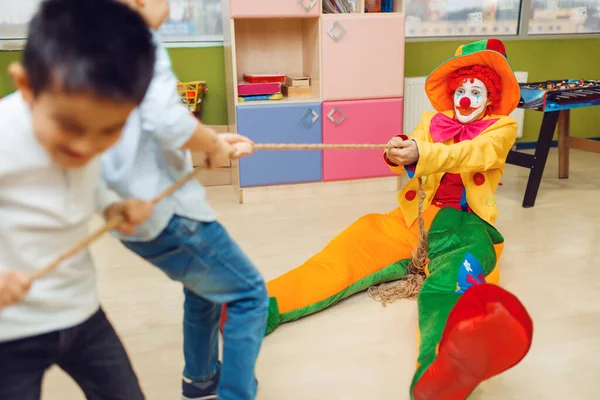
(470, 101)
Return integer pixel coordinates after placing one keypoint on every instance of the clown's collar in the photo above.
(444, 127)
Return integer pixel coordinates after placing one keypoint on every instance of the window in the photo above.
(14, 16)
(190, 20)
(193, 21)
(200, 21)
(551, 17)
(427, 18)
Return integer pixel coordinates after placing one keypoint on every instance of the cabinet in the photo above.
(281, 123)
(275, 8)
(355, 62)
(359, 121)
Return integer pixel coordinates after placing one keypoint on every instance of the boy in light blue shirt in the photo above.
(183, 238)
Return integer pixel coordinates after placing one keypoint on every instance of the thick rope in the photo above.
(318, 146)
(409, 286)
(115, 222)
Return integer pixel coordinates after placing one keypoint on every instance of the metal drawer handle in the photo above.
(309, 117)
(342, 31)
(332, 113)
(306, 7)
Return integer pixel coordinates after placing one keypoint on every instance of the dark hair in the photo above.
(97, 46)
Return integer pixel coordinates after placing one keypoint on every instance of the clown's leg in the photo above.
(366, 253)
(465, 338)
(488, 332)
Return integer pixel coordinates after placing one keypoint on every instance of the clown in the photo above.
(469, 328)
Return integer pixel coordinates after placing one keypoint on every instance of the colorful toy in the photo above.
(264, 78)
(191, 94)
(559, 95)
(440, 245)
(261, 97)
(257, 89)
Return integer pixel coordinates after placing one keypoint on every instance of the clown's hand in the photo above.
(404, 152)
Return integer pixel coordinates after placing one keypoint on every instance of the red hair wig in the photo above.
(488, 76)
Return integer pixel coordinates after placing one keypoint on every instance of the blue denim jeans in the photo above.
(91, 353)
(214, 271)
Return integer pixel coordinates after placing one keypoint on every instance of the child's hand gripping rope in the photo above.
(14, 286)
(231, 147)
(132, 212)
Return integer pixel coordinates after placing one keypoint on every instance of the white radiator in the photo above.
(416, 103)
(519, 113)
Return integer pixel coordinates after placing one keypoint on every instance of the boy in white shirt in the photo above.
(183, 238)
(79, 81)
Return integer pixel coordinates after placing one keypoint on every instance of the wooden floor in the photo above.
(358, 350)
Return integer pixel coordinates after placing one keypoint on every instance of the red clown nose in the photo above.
(465, 102)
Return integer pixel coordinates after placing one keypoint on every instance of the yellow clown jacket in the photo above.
(479, 161)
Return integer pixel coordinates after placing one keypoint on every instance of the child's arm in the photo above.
(14, 286)
(170, 121)
(485, 152)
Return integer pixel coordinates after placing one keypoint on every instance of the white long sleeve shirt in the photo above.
(44, 210)
(148, 157)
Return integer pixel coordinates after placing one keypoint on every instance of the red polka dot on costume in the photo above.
(410, 195)
(479, 179)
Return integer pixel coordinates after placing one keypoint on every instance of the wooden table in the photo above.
(566, 142)
(556, 104)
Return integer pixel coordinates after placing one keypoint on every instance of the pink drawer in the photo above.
(363, 56)
(360, 121)
(275, 8)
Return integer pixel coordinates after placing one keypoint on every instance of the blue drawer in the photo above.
(281, 123)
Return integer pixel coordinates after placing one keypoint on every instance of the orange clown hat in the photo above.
(490, 53)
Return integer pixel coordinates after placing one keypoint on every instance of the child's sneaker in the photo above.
(200, 390)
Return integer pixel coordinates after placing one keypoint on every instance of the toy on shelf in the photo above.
(254, 89)
(296, 86)
(260, 97)
(272, 87)
(264, 78)
(260, 87)
(191, 94)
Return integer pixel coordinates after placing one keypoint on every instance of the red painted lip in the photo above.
(465, 111)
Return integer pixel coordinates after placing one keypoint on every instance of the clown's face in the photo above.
(470, 101)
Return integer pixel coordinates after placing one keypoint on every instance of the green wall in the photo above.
(543, 59)
(204, 63)
(7, 57)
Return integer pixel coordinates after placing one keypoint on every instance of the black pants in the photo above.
(91, 353)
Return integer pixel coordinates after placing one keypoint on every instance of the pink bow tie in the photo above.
(443, 128)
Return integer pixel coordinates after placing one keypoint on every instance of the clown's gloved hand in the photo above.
(404, 152)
